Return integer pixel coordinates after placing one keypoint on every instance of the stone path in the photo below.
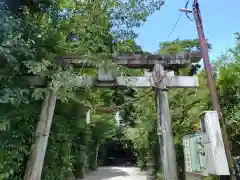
(118, 173)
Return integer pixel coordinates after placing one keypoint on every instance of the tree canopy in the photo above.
(34, 33)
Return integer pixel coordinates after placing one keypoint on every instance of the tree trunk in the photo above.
(94, 157)
(80, 172)
(38, 149)
(80, 164)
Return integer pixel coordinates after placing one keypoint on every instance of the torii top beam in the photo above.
(140, 61)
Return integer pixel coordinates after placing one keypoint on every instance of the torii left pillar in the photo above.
(165, 135)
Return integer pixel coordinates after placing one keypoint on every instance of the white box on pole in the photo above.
(216, 159)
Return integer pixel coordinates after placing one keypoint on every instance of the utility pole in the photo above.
(210, 81)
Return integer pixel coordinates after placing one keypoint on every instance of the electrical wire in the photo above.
(175, 25)
(186, 6)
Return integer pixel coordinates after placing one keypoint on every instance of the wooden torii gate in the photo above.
(109, 79)
(158, 79)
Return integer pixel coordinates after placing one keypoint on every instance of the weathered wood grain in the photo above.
(127, 81)
(138, 60)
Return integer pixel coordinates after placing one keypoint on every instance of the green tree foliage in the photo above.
(30, 40)
(16, 132)
(176, 46)
(143, 133)
(187, 104)
(227, 71)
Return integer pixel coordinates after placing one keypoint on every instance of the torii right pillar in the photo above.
(165, 80)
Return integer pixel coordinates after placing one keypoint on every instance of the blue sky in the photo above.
(221, 19)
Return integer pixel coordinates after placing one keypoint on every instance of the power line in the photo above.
(186, 6)
(175, 25)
